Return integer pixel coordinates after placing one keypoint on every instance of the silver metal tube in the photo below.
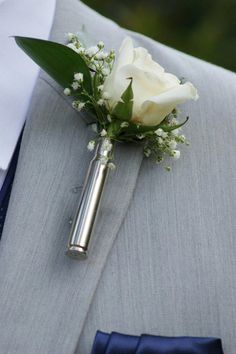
(85, 217)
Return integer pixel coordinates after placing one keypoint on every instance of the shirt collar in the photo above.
(18, 73)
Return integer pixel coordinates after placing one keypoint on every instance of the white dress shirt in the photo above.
(18, 73)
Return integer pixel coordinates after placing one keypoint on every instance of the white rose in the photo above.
(156, 93)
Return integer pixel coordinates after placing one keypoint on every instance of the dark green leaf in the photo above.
(133, 128)
(139, 129)
(96, 83)
(169, 128)
(123, 109)
(114, 128)
(59, 61)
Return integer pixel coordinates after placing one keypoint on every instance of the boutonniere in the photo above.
(132, 99)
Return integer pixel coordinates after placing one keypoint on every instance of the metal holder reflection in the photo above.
(87, 211)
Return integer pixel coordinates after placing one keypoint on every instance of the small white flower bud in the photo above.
(147, 152)
(75, 85)
(140, 136)
(103, 132)
(175, 132)
(74, 104)
(112, 54)
(176, 154)
(109, 118)
(124, 125)
(112, 166)
(172, 144)
(182, 138)
(100, 87)
(101, 56)
(91, 51)
(100, 102)
(67, 91)
(100, 44)
(94, 127)
(160, 132)
(164, 135)
(174, 121)
(80, 106)
(79, 77)
(107, 145)
(159, 159)
(91, 145)
(70, 36)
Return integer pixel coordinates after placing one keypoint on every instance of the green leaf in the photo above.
(96, 83)
(134, 129)
(59, 61)
(114, 129)
(123, 109)
(169, 128)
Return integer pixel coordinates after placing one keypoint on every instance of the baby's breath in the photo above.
(163, 142)
(160, 143)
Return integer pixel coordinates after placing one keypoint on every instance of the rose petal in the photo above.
(143, 60)
(126, 53)
(145, 85)
(156, 108)
(112, 82)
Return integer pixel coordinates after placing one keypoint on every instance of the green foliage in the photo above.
(169, 128)
(59, 61)
(82, 76)
(123, 109)
(205, 29)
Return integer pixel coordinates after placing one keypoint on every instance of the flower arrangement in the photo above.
(131, 98)
(134, 99)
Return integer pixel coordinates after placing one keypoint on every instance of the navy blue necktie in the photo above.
(7, 186)
(116, 343)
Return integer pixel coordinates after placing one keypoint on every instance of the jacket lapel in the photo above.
(45, 296)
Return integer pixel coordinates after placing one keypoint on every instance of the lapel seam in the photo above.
(55, 90)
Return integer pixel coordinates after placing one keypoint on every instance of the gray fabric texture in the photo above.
(163, 257)
(172, 269)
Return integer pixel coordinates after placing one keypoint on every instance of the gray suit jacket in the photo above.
(163, 259)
